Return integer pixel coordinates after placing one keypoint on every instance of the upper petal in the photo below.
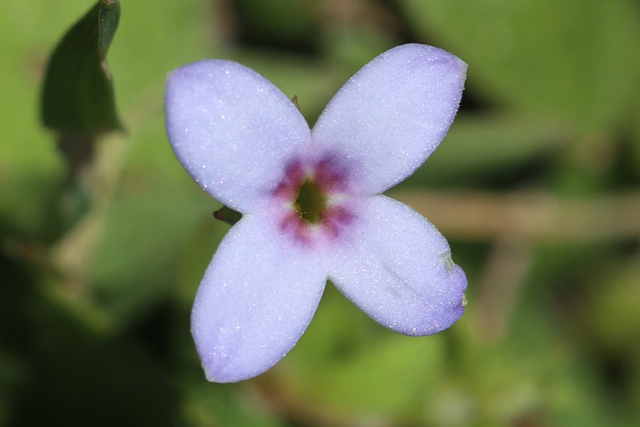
(255, 301)
(392, 114)
(232, 130)
(397, 268)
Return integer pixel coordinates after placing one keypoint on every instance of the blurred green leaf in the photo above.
(634, 380)
(635, 143)
(535, 376)
(612, 313)
(147, 229)
(575, 398)
(351, 366)
(76, 376)
(56, 370)
(196, 258)
(11, 374)
(390, 377)
(276, 22)
(185, 31)
(153, 219)
(77, 96)
(223, 405)
(327, 340)
(490, 145)
(31, 170)
(353, 47)
(574, 59)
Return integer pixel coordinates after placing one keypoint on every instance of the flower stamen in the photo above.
(310, 202)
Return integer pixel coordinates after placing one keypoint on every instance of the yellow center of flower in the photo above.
(310, 202)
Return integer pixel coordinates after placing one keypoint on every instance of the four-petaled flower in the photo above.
(311, 203)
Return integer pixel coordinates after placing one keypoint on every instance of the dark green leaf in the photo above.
(77, 97)
(108, 18)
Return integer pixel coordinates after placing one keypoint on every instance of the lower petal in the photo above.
(398, 269)
(255, 301)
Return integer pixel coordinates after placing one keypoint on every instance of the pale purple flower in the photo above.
(247, 145)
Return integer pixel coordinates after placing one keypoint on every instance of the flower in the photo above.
(311, 203)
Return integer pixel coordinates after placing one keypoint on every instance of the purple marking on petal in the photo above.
(330, 176)
(334, 219)
(294, 173)
(294, 225)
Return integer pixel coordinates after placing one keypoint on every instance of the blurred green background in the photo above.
(537, 188)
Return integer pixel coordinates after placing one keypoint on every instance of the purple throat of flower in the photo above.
(312, 193)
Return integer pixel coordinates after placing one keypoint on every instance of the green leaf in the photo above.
(145, 235)
(108, 18)
(223, 405)
(612, 314)
(351, 366)
(78, 96)
(392, 377)
(635, 143)
(490, 145)
(574, 59)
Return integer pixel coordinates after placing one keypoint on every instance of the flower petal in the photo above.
(255, 301)
(232, 130)
(397, 268)
(392, 114)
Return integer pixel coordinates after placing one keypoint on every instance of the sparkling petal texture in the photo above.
(392, 114)
(255, 301)
(398, 270)
(247, 145)
(232, 130)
